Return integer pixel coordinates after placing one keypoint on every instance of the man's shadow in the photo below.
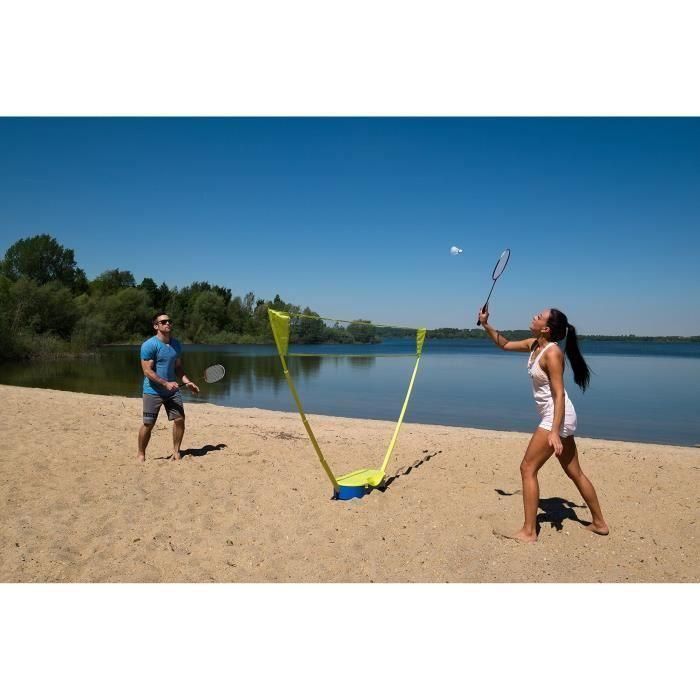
(554, 511)
(199, 451)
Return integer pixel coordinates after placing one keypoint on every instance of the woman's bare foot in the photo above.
(519, 536)
(141, 456)
(523, 535)
(176, 455)
(600, 528)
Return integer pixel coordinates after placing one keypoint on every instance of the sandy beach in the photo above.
(249, 501)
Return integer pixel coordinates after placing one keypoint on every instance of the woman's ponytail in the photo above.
(560, 328)
(582, 374)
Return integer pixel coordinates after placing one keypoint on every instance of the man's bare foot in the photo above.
(598, 528)
(141, 456)
(176, 455)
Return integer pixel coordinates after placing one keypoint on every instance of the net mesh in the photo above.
(323, 335)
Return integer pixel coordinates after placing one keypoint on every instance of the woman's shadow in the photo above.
(554, 511)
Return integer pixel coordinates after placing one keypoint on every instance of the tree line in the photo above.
(49, 307)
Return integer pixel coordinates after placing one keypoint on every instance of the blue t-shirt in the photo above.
(164, 356)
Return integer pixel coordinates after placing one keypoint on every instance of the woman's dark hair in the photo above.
(560, 328)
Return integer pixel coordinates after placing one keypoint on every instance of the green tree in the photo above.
(248, 302)
(337, 334)
(197, 287)
(362, 331)
(159, 297)
(9, 349)
(59, 313)
(42, 259)
(207, 317)
(163, 296)
(127, 314)
(25, 307)
(35, 318)
(277, 304)
(236, 316)
(90, 332)
(112, 281)
(310, 330)
(260, 323)
(151, 288)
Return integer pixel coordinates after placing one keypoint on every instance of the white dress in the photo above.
(543, 398)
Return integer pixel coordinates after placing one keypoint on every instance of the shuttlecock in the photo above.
(454, 250)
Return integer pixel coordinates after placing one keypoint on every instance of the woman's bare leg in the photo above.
(537, 453)
(570, 464)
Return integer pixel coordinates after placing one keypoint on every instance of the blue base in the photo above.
(345, 493)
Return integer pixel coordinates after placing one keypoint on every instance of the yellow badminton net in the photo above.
(280, 323)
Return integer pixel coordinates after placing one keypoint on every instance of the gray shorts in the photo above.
(153, 402)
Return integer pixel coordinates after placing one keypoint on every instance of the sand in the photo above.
(249, 501)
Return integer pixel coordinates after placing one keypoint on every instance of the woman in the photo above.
(555, 433)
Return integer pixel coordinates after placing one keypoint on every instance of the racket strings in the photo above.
(501, 264)
(214, 373)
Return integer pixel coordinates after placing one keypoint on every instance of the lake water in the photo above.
(645, 392)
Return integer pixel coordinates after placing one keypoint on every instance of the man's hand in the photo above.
(192, 387)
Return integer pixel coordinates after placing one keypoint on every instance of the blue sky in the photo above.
(355, 217)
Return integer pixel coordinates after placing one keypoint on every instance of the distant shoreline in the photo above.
(60, 353)
(468, 335)
(449, 334)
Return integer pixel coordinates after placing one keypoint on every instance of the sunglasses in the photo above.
(167, 320)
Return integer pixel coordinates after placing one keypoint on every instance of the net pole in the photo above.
(305, 421)
(392, 444)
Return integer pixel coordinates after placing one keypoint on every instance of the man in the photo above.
(162, 364)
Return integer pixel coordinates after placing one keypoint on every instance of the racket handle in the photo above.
(483, 311)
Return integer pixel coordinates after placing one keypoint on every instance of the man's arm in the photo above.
(147, 367)
(180, 371)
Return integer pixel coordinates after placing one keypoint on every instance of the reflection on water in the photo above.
(637, 393)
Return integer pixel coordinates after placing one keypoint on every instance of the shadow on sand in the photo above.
(198, 451)
(554, 511)
(405, 471)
